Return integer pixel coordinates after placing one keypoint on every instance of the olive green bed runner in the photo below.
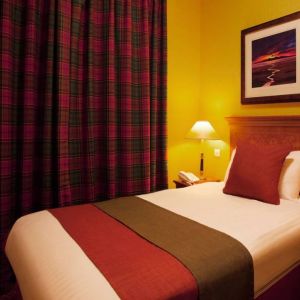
(221, 265)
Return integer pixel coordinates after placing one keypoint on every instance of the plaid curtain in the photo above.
(83, 103)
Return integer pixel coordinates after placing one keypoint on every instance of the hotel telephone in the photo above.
(188, 177)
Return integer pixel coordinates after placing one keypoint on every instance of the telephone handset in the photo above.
(188, 177)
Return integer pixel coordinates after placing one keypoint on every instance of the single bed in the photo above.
(49, 264)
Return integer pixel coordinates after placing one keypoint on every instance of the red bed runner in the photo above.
(134, 267)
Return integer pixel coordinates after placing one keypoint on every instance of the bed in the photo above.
(49, 264)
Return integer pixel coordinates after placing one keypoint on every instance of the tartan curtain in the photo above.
(83, 103)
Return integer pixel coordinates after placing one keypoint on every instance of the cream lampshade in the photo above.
(202, 130)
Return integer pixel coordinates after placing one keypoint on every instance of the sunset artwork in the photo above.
(274, 59)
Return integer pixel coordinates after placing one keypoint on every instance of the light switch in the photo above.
(217, 152)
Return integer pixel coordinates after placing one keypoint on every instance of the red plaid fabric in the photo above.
(83, 103)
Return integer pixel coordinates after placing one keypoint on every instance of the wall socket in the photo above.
(217, 152)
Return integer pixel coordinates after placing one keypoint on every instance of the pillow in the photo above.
(255, 172)
(289, 184)
(229, 165)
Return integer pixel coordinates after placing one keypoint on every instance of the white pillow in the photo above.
(289, 184)
(229, 165)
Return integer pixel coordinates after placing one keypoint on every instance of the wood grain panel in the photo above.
(265, 129)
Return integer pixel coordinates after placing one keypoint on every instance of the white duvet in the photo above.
(50, 265)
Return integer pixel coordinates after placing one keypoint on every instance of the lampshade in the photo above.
(202, 130)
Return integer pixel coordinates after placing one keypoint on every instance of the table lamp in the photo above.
(202, 130)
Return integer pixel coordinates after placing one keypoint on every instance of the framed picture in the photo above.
(271, 61)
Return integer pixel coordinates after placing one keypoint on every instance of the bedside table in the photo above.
(181, 184)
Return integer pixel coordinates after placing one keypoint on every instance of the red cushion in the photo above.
(255, 172)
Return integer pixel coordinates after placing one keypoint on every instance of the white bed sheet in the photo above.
(43, 255)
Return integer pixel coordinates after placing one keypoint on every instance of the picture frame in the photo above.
(270, 61)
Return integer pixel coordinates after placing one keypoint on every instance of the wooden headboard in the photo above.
(267, 130)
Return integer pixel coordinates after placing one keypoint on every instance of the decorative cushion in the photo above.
(255, 172)
(289, 184)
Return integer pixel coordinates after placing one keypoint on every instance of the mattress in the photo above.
(42, 253)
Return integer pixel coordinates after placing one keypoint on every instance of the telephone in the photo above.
(188, 177)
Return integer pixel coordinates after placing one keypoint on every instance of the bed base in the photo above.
(287, 288)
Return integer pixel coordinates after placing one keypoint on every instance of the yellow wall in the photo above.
(204, 72)
(184, 72)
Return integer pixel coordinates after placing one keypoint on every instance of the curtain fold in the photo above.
(83, 103)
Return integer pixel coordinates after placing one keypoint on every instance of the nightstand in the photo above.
(181, 184)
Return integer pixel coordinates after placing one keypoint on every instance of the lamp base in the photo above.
(202, 177)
